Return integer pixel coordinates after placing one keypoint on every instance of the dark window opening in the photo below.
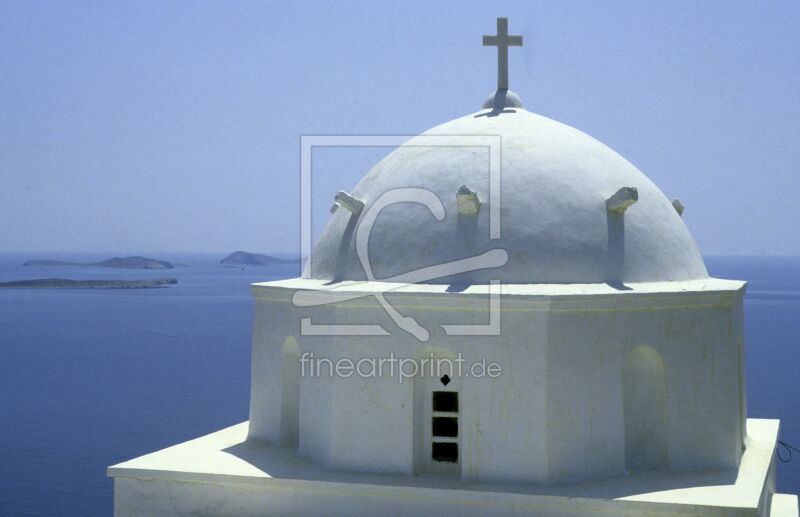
(445, 401)
(445, 426)
(445, 451)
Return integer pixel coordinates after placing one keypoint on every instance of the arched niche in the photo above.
(645, 405)
(290, 392)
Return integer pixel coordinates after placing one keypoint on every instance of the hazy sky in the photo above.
(175, 126)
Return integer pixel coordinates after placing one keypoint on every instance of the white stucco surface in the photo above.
(224, 474)
(784, 505)
(555, 181)
(567, 399)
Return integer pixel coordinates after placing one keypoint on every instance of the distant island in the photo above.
(64, 283)
(118, 262)
(244, 258)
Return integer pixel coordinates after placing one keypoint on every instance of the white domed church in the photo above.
(503, 317)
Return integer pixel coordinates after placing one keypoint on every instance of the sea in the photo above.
(90, 378)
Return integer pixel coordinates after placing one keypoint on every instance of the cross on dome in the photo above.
(502, 41)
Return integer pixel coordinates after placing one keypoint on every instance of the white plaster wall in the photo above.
(290, 392)
(703, 372)
(588, 346)
(174, 498)
(585, 424)
(372, 428)
(504, 418)
(737, 328)
(273, 322)
(765, 501)
(555, 415)
(317, 414)
(501, 420)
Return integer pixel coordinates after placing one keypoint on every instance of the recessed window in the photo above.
(446, 401)
(445, 451)
(446, 426)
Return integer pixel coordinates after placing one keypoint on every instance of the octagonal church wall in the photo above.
(580, 367)
(652, 383)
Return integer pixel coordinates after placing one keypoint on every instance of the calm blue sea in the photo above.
(92, 378)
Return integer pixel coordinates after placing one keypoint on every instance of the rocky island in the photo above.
(64, 283)
(135, 262)
(244, 258)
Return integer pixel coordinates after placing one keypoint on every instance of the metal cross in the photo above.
(502, 41)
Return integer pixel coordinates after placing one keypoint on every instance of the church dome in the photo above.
(553, 218)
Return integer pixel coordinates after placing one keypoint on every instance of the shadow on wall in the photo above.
(344, 246)
(499, 103)
(615, 259)
(290, 392)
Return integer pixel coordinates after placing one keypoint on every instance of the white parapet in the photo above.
(223, 474)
